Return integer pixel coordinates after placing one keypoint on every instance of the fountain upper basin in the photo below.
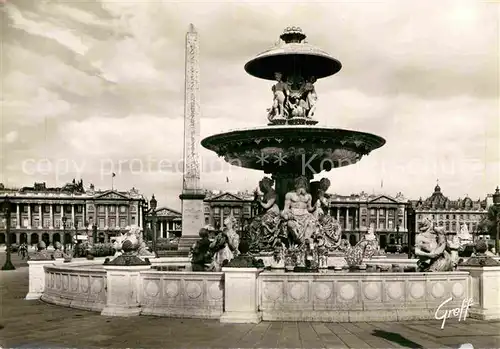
(292, 148)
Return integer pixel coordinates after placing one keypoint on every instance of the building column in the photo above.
(222, 218)
(387, 220)
(140, 215)
(161, 229)
(73, 215)
(62, 215)
(117, 217)
(18, 216)
(29, 216)
(377, 212)
(51, 217)
(404, 220)
(106, 223)
(347, 219)
(137, 215)
(40, 216)
(338, 214)
(18, 238)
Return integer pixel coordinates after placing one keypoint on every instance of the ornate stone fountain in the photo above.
(292, 148)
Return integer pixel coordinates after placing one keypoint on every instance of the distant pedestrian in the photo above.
(24, 250)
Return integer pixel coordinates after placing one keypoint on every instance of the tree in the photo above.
(488, 224)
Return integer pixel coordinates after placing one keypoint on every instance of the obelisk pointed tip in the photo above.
(191, 28)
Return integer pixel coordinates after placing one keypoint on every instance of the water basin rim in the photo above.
(273, 129)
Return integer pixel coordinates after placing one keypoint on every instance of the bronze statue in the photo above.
(432, 248)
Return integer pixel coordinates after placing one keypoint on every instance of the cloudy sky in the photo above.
(94, 87)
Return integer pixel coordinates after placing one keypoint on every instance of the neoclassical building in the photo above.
(451, 214)
(168, 223)
(357, 212)
(37, 212)
(219, 205)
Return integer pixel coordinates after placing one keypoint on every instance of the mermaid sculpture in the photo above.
(432, 249)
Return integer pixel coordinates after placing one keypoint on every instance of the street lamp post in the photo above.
(152, 205)
(6, 211)
(89, 236)
(94, 233)
(496, 202)
(411, 224)
(64, 219)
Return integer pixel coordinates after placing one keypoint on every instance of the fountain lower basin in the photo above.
(281, 296)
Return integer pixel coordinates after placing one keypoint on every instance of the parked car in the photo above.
(393, 249)
(13, 248)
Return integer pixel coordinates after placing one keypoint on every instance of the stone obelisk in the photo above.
(192, 194)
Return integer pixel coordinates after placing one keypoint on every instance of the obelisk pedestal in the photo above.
(192, 195)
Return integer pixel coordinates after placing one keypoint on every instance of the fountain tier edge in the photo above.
(300, 149)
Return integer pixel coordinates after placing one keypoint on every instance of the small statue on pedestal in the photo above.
(280, 93)
(58, 252)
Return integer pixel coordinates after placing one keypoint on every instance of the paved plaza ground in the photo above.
(34, 324)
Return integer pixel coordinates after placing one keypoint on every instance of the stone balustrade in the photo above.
(182, 294)
(328, 296)
(75, 287)
(352, 297)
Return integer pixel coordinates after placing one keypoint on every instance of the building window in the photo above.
(246, 209)
(391, 224)
(25, 223)
(447, 226)
(372, 212)
(207, 220)
(101, 222)
(57, 223)
(58, 209)
(35, 209)
(46, 208)
(25, 208)
(68, 208)
(133, 220)
(13, 222)
(132, 208)
(447, 216)
(236, 210)
(101, 208)
(36, 222)
(123, 209)
(123, 223)
(112, 208)
(363, 222)
(91, 208)
(217, 210)
(79, 208)
(112, 222)
(207, 209)
(46, 222)
(453, 226)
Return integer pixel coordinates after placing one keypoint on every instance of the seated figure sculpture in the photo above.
(200, 252)
(366, 248)
(432, 249)
(329, 228)
(301, 223)
(264, 229)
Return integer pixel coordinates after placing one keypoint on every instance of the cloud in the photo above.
(93, 87)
